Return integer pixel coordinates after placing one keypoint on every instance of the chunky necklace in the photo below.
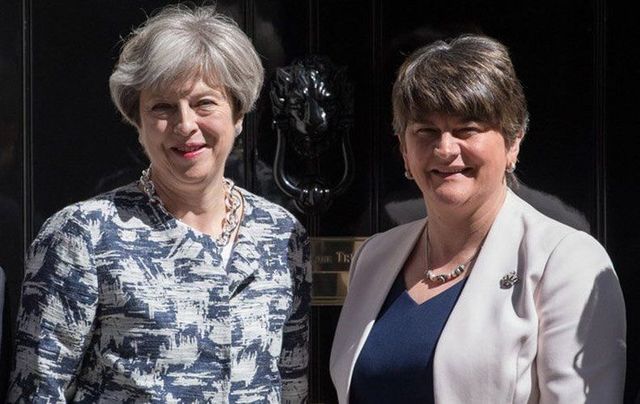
(443, 278)
(232, 202)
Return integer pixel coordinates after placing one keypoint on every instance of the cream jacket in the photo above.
(556, 336)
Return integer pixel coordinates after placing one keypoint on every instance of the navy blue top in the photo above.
(396, 362)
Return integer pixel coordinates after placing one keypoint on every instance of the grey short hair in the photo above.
(181, 43)
(470, 76)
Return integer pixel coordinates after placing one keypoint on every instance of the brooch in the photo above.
(509, 280)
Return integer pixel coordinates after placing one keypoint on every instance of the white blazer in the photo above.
(556, 336)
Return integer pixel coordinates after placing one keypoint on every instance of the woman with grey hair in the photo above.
(180, 287)
(486, 300)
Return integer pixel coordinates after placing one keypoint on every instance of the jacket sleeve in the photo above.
(581, 339)
(57, 309)
(294, 356)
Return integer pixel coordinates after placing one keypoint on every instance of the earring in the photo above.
(238, 130)
(511, 167)
(407, 175)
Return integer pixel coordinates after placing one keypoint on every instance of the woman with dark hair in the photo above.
(486, 300)
(180, 287)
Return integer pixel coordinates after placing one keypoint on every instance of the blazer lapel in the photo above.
(245, 257)
(479, 307)
(377, 267)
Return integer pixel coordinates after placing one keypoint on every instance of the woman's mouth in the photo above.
(451, 171)
(189, 151)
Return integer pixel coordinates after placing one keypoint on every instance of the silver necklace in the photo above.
(443, 278)
(232, 202)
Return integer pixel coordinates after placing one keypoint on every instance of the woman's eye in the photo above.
(206, 103)
(467, 132)
(161, 107)
(427, 132)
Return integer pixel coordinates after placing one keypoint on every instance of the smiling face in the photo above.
(457, 162)
(187, 133)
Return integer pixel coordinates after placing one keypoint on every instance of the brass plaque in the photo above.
(331, 258)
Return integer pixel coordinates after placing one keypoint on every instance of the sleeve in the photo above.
(294, 356)
(57, 309)
(582, 326)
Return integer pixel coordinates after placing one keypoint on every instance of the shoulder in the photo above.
(563, 252)
(260, 212)
(384, 249)
(553, 207)
(86, 217)
(538, 229)
(70, 236)
(405, 233)
(577, 255)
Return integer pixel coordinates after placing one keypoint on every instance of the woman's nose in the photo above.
(186, 123)
(446, 146)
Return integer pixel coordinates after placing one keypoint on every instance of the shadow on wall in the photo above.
(604, 294)
(412, 209)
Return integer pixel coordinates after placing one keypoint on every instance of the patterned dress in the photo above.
(121, 302)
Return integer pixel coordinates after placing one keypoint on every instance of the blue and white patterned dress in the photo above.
(121, 302)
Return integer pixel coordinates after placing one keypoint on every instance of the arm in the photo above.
(294, 356)
(581, 339)
(57, 309)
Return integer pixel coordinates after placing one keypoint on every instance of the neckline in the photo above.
(405, 292)
(169, 221)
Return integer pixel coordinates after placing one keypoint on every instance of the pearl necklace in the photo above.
(232, 202)
(443, 278)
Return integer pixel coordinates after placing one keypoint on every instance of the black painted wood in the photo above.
(14, 219)
(623, 191)
(599, 116)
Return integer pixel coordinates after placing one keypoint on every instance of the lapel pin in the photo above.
(509, 280)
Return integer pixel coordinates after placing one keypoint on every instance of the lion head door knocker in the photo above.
(312, 104)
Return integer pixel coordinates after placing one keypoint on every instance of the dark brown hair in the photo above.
(470, 76)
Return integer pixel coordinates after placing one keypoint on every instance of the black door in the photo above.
(61, 139)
